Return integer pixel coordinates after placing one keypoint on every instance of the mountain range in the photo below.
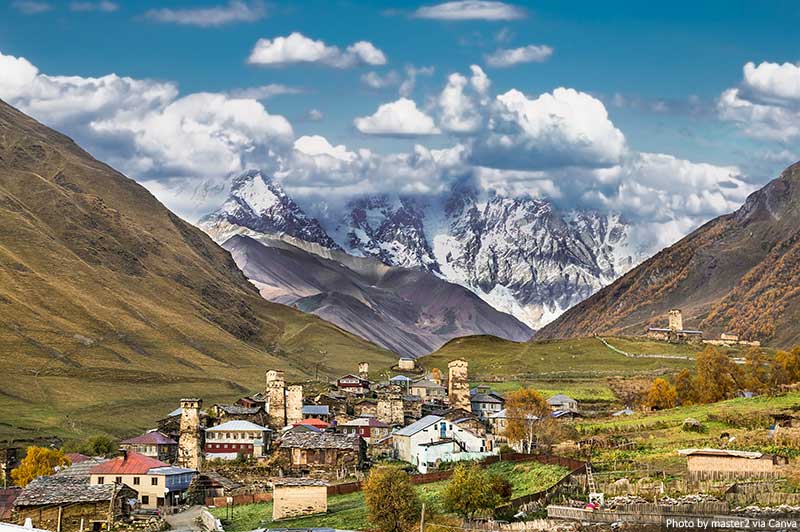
(521, 255)
(409, 311)
(104, 291)
(738, 273)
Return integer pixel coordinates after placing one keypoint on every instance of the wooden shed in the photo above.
(721, 464)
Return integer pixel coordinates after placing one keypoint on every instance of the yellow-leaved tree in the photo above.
(524, 409)
(392, 503)
(38, 462)
(661, 395)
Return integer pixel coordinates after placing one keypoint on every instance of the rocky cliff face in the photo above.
(521, 255)
(738, 273)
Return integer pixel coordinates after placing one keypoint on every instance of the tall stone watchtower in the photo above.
(675, 320)
(294, 404)
(390, 408)
(458, 384)
(276, 395)
(363, 370)
(189, 452)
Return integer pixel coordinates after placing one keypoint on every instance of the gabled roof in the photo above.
(237, 424)
(66, 490)
(418, 426)
(426, 383)
(486, 398)
(239, 410)
(76, 458)
(153, 438)
(400, 378)
(170, 470)
(313, 422)
(561, 398)
(316, 410)
(132, 464)
(320, 440)
(81, 469)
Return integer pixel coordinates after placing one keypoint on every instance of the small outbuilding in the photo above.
(298, 497)
(723, 464)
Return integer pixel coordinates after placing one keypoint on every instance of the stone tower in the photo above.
(276, 399)
(189, 453)
(363, 370)
(675, 320)
(390, 408)
(294, 404)
(458, 384)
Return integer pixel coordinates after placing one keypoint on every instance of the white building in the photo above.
(412, 443)
(234, 438)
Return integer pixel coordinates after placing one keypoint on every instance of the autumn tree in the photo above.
(392, 503)
(716, 376)
(524, 408)
(755, 375)
(38, 462)
(472, 490)
(685, 388)
(436, 375)
(662, 395)
(786, 367)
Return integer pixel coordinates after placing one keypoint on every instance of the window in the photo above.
(154, 481)
(101, 480)
(145, 499)
(118, 480)
(135, 481)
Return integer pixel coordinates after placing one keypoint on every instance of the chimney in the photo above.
(124, 454)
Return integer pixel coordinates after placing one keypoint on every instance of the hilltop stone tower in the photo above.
(189, 452)
(676, 320)
(390, 408)
(294, 404)
(276, 396)
(458, 384)
(363, 370)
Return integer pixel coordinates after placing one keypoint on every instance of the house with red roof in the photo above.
(313, 422)
(153, 444)
(159, 484)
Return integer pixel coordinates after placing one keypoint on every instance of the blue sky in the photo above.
(658, 69)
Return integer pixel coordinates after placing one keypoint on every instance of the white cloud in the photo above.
(766, 104)
(377, 81)
(219, 15)
(392, 78)
(264, 92)
(506, 57)
(318, 145)
(562, 128)
(480, 81)
(105, 6)
(315, 115)
(471, 10)
(412, 73)
(297, 48)
(31, 7)
(398, 118)
(459, 111)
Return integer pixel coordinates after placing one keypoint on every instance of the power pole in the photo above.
(422, 519)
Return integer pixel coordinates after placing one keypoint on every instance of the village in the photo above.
(292, 450)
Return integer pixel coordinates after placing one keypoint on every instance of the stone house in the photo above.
(563, 403)
(153, 444)
(298, 497)
(485, 402)
(365, 407)
(322, 452)
(322, 412)
(69, 504)
(427, 390)
(229, 440)
(254, 414)
(158, 484)
(406, 364)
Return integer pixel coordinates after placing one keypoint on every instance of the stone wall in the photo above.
(458, 384)
(296, 501)
(390, 409)
(189, 444)
(294, 404)
(276, 394)
(363, 370)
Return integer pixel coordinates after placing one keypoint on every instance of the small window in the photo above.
(135, 481)
(118, 480)
(145, 499)
(101, 480)
(154, 481)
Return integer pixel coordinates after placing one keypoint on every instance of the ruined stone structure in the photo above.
(276, 399)
(458, 384)
(294, 404)
(390, 408)
(363, 370)
(189, 439)
(675, 320)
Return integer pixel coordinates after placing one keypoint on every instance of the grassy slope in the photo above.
(347, 512)
(112, 308)
(658, 435)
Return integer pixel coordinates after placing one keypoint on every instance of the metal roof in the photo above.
(153, 437)
(720, 452)
(316, 410)
(561, 398)
(237, 424)
(419, 425)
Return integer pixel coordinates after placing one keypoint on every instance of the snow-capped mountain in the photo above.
(257, 203)
(521, 255)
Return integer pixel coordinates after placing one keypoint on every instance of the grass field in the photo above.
(348, 512)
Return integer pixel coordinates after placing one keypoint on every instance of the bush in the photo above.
(692, 425)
